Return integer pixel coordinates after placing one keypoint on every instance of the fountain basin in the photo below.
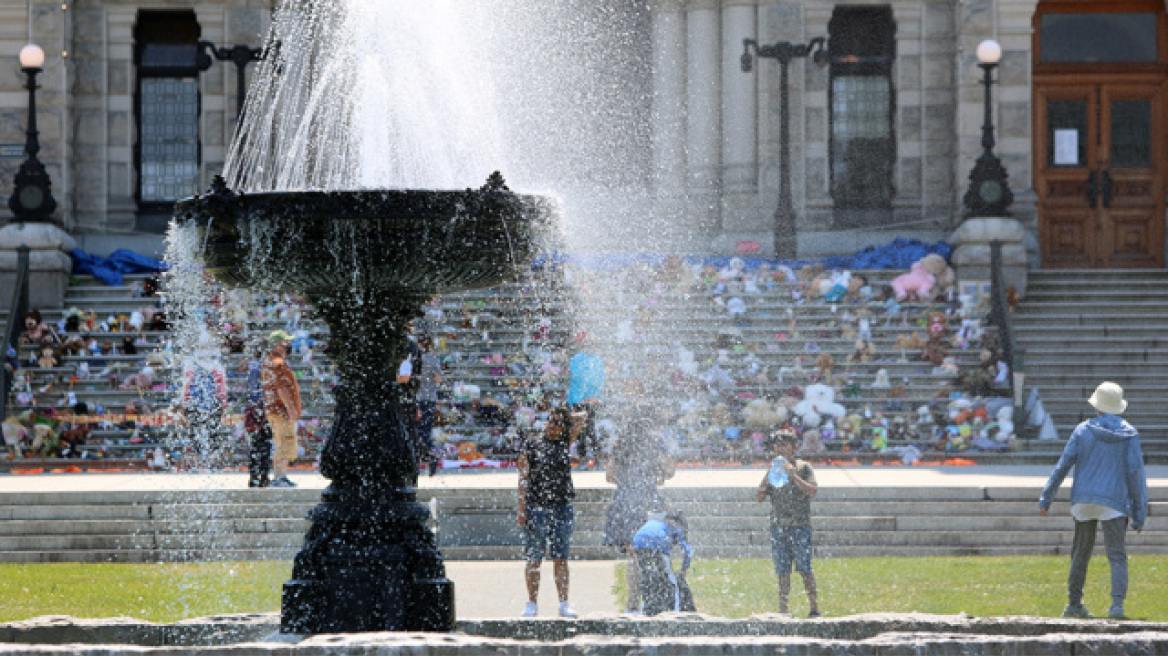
(319, 243)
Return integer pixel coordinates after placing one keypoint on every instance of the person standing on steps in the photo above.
(1110, 488)
(281, 405)
(545, 509)
(790, 485)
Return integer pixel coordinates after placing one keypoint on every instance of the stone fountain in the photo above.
(368, 260)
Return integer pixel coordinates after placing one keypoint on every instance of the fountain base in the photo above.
(682, 635)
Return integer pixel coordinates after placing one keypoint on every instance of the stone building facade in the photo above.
(882, 133)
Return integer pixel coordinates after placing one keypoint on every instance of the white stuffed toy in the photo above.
(818, 402)
(1005, 424)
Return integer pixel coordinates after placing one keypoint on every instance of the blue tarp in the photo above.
(899, 253)
(110, 269)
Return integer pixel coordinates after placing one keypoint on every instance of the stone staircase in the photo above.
(1079, 328)
(479, 524)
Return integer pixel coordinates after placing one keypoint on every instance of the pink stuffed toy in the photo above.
(917, 284)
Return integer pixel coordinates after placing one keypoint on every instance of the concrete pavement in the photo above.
(829, 476)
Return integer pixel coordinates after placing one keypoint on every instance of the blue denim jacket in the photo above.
(1109, 468)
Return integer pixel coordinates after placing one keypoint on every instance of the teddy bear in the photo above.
(825, 364)
(35, 330)
(469, 452)
(761, 413)
(863, 352)
(910, 342)
(47, 360)
(935, 351)
(942, 273)
(818, 402)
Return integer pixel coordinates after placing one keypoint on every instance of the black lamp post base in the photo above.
(343, 584)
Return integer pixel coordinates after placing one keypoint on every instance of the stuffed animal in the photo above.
(469, 452)
(47, 360)
(863, 352)
(818, 402)
(761, 413)
(858, 289)
(1005, 424)
(917, 284)
(941, 271)
(812, 442)
(35, 331)
(910, 342)
(141, 380)
(825, 364)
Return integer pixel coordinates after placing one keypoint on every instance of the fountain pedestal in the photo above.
(368, 261)
(369, 562)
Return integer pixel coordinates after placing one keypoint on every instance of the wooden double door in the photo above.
(1100, 140)
(1100, 174)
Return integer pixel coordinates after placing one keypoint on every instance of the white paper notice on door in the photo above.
(1066, 147)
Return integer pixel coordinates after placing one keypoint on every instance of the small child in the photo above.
(790, 484)
(662, 589)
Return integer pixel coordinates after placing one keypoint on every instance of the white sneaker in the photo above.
(566, 610)
(530, 610)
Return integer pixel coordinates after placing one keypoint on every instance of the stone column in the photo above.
(669, 99)
(739, 111)
(704, 116)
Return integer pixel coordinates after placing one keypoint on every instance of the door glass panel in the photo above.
(1131, 133)
(1128, 37)
(1066, 132)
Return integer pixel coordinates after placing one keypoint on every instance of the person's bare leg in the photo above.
(531, 578)
(633, 582)
(561, 573)
(812, 592)
(784, 592)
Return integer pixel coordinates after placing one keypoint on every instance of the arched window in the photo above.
(863, 146)
(166, 107)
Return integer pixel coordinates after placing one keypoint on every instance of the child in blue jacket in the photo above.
(662, 589)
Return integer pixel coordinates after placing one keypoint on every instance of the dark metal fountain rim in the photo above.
(494, 185)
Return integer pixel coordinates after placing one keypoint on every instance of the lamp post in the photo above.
(241, 56)
(32, 198)
(786, 242)
(989, 191)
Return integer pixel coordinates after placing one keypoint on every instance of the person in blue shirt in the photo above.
(661, 587)
(585, 392)
(1110, 487)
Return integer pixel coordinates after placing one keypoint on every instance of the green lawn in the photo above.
(162, 592)
(980, 586)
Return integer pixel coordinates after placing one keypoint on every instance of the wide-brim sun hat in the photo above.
(278, 337)
(1108, 398)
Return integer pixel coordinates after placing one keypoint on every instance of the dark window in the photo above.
(1090, 38)
(166, 107)
(863, 151)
